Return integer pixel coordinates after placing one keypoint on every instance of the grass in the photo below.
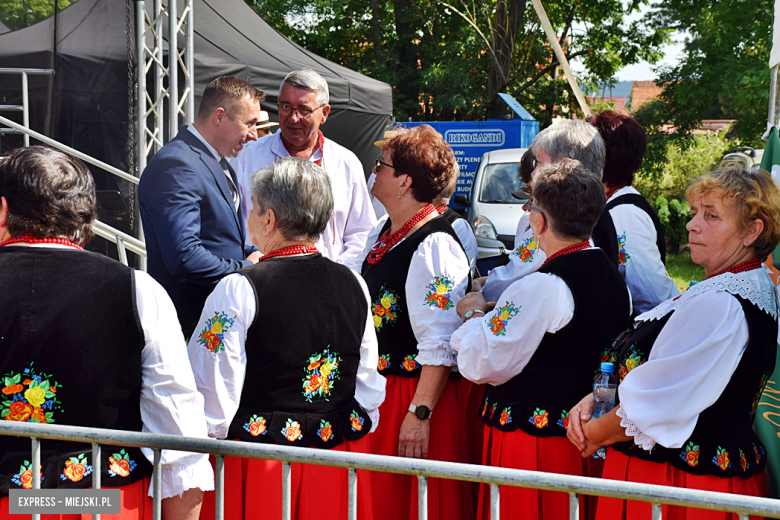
(682, 270)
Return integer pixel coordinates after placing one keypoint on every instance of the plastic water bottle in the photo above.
(604, 390)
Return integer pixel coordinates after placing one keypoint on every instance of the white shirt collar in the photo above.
(278, 148)
(211, 149)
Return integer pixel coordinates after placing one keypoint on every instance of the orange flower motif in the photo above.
(26, 479)
(257, 428)
(74, 472)
(326, 433)
(121, 467)
(214, 342)
(293, 431)
(313, 366)
(39, 414)
(382, 364)
(357, 424)
(409, 364)
(540, 418)
(504, 417)
(53, 389)
(692, 458)
(27, 381)
(13, 389)
(19, 411)
(742, 461)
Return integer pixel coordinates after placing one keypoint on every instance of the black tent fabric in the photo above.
(85, 104)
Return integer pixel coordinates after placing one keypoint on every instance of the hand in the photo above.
(472, 300)
(490, 306)
(254, 257)
(478, 283)
(413, 440)
(590, 447)
(578, 417)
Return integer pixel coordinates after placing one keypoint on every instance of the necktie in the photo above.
(233, 188)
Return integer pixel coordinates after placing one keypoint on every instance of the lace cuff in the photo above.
(440, 355)
(192, 472)
(640, 439)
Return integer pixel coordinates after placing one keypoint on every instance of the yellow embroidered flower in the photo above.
(325, 369)
(504, 315)
(441, 289)
(216, 328)
(35, 396)
(386, 302)
(631, 364)
(377, 321)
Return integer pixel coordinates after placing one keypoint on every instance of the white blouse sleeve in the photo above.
(494, 348)
(467, 238)
(370, 384)
(437, 280)
(170, 402)
(219, 359)
(524, 259)
(640, 263)
(691, 363)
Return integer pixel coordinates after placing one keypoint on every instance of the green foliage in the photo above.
(682, 270)
(674, 215)
(18, 14)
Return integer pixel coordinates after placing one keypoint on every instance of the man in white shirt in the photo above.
(303, 107)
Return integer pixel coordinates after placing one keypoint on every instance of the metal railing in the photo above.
(24, 107)
(422, 469)
(123, 241)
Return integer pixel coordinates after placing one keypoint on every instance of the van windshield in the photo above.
(499, 180)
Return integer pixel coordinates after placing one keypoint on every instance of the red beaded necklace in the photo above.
(288, 251)
(741, 267)
(29, 238)
(387, 241)
(441, 209)
(612, 191)
(569, 249)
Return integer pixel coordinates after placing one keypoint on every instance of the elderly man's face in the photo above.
(299, 131)
(541, 158)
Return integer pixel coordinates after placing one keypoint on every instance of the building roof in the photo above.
(642, 92)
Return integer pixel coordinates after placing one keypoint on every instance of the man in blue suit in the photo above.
(190, 204)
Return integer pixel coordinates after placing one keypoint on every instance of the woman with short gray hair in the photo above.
(266, 326)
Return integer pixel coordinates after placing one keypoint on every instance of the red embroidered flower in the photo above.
(504, 418)
(539, 418)
(357, 423)
(19, 411)
(121, 467)
(74, 472)
(409, 364)
(382, 364)
(326, 432)
(293, 431)
(743, 461)
(26, 479)
(257, 428)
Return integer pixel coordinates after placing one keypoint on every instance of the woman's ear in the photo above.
(753, 232)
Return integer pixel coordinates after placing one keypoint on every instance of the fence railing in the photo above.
(123, 241)
(422, 469)
(24, 108)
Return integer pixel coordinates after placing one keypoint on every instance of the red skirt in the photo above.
(136, 505)
(253, 489)
(395, 496)
(632, 469)
(519, 450)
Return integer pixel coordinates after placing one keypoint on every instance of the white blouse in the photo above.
(220, 376)
(494, 348)
(692, 359)
(640, 262)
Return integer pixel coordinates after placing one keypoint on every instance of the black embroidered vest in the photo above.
(558, 375)
(723, 442)
(386, 282)
(302, 354)
(70, 353)
(450, 215)
(605, 236)
(640, 202)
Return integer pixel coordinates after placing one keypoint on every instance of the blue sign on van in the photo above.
(471, 139)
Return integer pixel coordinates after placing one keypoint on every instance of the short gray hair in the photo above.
(299, 193)
(308, 79)
(573, 139)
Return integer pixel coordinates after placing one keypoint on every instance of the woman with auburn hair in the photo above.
(416, 272)
(691, 370)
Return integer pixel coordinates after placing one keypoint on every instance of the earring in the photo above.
(399, 194)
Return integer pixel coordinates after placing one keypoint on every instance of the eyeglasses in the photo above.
(530, 207)
(379, 163)
(286, 110)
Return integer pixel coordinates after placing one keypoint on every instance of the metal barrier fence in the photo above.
(422, 469)
(123, 241)
(24, 108)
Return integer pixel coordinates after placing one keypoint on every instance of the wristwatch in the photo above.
(422, 412)
(471, 313)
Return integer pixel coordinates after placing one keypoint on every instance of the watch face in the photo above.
(422, 412)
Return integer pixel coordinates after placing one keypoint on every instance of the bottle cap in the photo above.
(607, 367)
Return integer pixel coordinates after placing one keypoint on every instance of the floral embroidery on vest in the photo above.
(607, 356)
(743, 461)
(526, 250)
(484, 408)
(213, 334)
(384, 362)
(256, 426)
(563, 422)
(721, 459)
(76, 468)
(326, 431)
(28, 399)
(385, 308)
(539, 418)
(504, 418)
(292, 430)
(356, 421)
(410, 364)
(493, 409)
(634, 358)
(691, 454)
(760, 391)
(120, 464)
(439, 293)
(24, 477)
(497, 323)
(755, 451)
(623, 256)
(320, 373)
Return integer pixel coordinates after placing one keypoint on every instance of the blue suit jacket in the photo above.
(194, 236)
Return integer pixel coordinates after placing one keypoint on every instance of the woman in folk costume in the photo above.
(285, 353)
(691, 370)
(416, 273)
(537, 347)
(87, 341)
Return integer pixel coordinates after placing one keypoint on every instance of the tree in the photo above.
(448, 59)
(18, 14)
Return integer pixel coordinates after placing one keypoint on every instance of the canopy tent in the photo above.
(85, 104)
